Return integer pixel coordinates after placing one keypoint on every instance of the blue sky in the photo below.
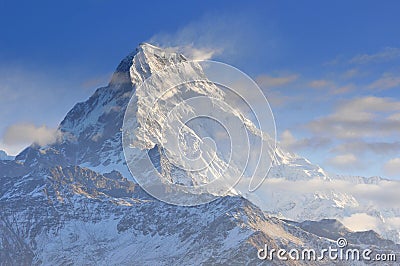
(331, 70)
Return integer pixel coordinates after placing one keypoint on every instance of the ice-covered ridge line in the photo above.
(149, 59)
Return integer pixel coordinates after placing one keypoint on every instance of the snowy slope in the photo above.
(4, 156)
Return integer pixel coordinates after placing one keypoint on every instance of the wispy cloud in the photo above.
(290, 142)
(351, 73)
(25, 134)
(360, 128)
(387, 81)
(196, 53)
(330, 86)
(337, 60)
(320, 83)
(363, 132)
(268, 81)
(227, 36)
(392, 167)
(96, 81)
(343, 89)
(272, 87)
(364, 147)
(345, 162)
(360, 117)
(193, 41)
(386, 54)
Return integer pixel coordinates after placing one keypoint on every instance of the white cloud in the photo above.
(351, 73)
(268, 81)
(361, 222)
(392, 167)
(337, 60)
(345, 161)
(330, 86)
(371, 103)
(385, 54)
(320, 83)
(360, 117)
(387, 81)
(271, 87)
(363, 147)
(290, 142)
(193, 40)
(343, 89)
(25, 134)
(96, 81)
(287, 139)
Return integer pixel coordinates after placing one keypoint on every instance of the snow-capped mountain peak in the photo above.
(92, 138)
